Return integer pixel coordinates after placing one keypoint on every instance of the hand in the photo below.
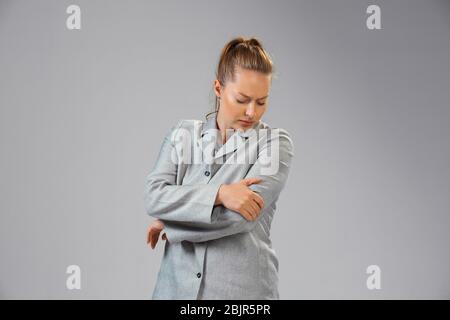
(153, 232)
(240, 198)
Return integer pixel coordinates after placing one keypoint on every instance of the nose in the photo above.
(250, 111)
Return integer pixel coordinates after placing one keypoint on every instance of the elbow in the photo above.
(249, 226)
(150, 198)
(149, 204)
(246, 225)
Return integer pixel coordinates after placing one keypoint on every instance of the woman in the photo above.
(216, 213)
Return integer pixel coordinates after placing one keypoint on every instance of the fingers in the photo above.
(149, 234)
(154, 238)
(153, 231)
(246, 214)
(259, 200)
(250, 181)
(155, 225)
(251, 211)
(254, 209)
(158, 224)
(153, 235)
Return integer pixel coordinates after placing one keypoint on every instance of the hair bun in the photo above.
(245, 41)
(254, 42)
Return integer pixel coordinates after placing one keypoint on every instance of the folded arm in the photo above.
(225, 222)
(166, 200)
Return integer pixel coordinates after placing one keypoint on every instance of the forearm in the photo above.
(191, 203)
(225, 223)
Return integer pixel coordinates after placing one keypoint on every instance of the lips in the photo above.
(248, 123)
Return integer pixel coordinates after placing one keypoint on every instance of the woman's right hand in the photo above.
(240, 198)
(153, 232)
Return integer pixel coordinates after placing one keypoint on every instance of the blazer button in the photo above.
(207, 173)
(199, 275)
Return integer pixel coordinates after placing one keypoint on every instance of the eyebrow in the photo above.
(250, 97)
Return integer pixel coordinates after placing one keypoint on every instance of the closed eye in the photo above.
(259, 103)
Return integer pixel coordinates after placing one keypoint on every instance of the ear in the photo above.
(217, 88)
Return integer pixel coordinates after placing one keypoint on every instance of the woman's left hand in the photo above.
(153, 232)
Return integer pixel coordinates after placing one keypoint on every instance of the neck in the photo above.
(222, 127)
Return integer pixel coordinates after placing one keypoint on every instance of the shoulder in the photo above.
(189, 124)
(186, 128)
(277, 135)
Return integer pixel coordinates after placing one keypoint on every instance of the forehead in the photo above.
(251, 83)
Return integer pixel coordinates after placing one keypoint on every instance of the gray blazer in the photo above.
(212, 252)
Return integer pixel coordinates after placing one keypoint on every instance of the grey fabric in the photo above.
(213, 252)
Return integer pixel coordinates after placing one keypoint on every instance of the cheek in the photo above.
(261, 111)
(235, 109)
(231, 110)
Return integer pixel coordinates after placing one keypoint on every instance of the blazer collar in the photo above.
(236, 139)
(210, 124)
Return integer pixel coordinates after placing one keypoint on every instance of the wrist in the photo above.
(219, 195)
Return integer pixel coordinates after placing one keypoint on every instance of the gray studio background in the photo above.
(83, 114)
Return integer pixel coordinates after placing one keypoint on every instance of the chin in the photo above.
(245, 126)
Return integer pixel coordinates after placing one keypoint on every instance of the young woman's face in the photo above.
(244, 101)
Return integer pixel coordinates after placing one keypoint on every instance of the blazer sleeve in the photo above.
(226, 222)
(166, 200)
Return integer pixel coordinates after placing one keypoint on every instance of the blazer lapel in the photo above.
(210, 139)
(231, 145)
